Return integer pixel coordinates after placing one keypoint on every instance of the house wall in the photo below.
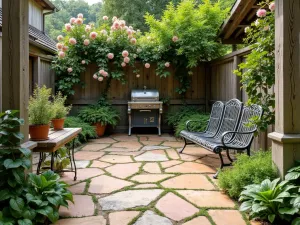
(35, 15)
(1, 70)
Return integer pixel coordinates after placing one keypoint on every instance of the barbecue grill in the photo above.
(145, 109)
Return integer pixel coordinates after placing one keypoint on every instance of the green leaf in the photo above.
(25, 151)
(29, 213)
(246, 206)
(19, 135)
(53, 201)
(24, 222)
(297, 202)
(296, 221)
(289, 211)
(45, 211)
(54, 216)
(292, 176)
(26, 163)
(17, 204)
(10, 164)
(19, 175)
(271, 217)
(4, 194)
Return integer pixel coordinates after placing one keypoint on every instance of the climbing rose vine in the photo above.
(258, 70)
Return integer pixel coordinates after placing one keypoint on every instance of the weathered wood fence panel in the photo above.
(119, 94)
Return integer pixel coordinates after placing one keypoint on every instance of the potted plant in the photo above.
(99, 116)
(60, 111)
(41, 112)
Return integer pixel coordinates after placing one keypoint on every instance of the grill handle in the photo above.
(145, 110)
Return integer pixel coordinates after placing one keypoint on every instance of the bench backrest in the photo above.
(215, 118)
(230, 119)
(245, 125)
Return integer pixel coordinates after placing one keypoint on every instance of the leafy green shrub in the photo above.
(40, 109)
(274, 201)
(88, 131)
(245, 171)
(59, 106)
(62, 160)
(99, 114)
(173, 118)
(25, 199)
(199, 123)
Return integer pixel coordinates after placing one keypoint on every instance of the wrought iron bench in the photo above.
(233, 133)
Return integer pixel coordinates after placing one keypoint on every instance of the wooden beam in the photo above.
(15, 82)
(286, 138)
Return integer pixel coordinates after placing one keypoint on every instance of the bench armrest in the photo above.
(235, 132)
(188, 122)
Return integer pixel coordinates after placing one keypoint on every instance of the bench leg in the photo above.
(228, 156)
(222, 164)
(185, 144)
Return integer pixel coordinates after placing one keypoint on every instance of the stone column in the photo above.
(286, 138)
(15, 60)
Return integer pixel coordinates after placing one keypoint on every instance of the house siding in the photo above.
(35, 15)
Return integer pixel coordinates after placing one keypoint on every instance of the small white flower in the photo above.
(7, 112)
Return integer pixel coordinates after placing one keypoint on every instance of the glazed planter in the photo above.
(39, 132)
(100, 129)
(58, 124)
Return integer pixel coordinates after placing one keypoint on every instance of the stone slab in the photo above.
(124, 170)
(122, 218)
(201, 220)
(225, 217)
(83, 206)
(116, 159)
(190, 167)
(92, 220)
(150, 178)
(150, 218)
(151, 157)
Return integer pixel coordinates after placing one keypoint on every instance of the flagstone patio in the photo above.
(142, 180)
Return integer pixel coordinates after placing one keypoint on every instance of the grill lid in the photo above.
(144, 95)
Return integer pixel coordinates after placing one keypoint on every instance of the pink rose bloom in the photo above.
(167, 64)
(129, 32)
(133, 41)
(101, 72)
(122, 23)
(86, 42)
(100, 79)
(105, 17)
(126, 59)
(266, 28)
(130, 27)
(138, 75)
(68, 26)
(147, 65)
(79, 21)
(72, 20)
(95, 76)
(261, 13)
(114, 18)
(125, 53)
(65, 48)
(80, 15)
(272, 6)
(87, 28)
(93, 35)
(72, 41)
(116, 25)
(105, 74)
(59, 46)
(60, 37)
(83, 62)
(123, 64)
(175, 38)
(110, 55)
(70, 70)
(61, 54)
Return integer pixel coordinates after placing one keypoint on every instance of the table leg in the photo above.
(70, 158)
(75, 177)
(39, 164)
(52, 161)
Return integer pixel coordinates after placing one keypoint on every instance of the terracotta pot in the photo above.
(39, 132)
(100, 129)
(58, 124)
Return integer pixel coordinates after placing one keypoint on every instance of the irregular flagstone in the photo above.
(129, 199)
(190, 167)
(105, 140)
(153, 147)
(170, 163)
(92, 220)
(131, 145)
(94, 147)
(100, 164)
(175, 208)
(188, 158)
(151, 157)
(143, 138)
(225, 217)
(151, 143)
(82, 174)
(201, 220)
(144, 186)
(208, 198)
(83, 206)
(150, 218)
(84, 155)
(81, 164)
(188, 181)
(126, 153)
(122, 218)
(115, 149)
(161, 138)
(105, 184)
(77, 188)
(172, 154)
(150, 178)
(116, 159)
(173, 144)
(152, 168)
(124, 170)
(211, 161)
(124, 137)
(196, 150)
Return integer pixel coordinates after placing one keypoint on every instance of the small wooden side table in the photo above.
(56, 140)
